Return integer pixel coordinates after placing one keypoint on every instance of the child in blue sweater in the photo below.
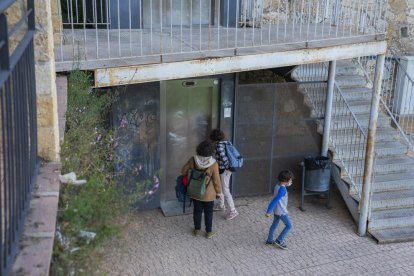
(278, 206)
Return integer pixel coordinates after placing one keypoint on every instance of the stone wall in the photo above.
(47, 116)
(400, 35)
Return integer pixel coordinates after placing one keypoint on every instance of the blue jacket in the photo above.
(278, 205)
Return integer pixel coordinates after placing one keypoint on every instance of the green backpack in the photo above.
(196, 183)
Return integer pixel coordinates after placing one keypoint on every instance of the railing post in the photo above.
(4, 49)
(328, 108)
(369, 156)
(337, 12)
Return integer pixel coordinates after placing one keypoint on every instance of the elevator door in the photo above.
(191, 112)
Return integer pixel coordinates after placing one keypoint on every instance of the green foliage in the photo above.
(87, 150)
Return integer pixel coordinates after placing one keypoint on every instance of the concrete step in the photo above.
(398, 217)
(398, 234)
(357, 93)
(392, 200)
(348, 121)
(348, 70)
(394, 182)
(382, 149)
(384, 134)
(352, 81)
(318, 72)
(383, 166)
(340, 108)
(318, 92)
(383, 183)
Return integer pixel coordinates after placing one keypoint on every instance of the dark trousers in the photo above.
(199, 207)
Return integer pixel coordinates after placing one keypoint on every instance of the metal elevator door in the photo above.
(190, 111)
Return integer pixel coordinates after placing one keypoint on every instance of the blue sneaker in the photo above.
(269, 243)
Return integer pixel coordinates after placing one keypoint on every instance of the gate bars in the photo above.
(18, 130)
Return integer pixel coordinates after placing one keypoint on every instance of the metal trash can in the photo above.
(317, 173)
(316, 178)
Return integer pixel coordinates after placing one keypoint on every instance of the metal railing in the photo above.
(18, 132)
(348, 137)
(118, 29)
(397, 96)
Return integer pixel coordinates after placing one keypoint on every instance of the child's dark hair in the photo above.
(205, 149)
(285, 176)
(217, 135)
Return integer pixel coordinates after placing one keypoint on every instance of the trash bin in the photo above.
(317, 173)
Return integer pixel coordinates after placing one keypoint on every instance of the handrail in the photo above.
(5, 4)
(389, 112)
(349, 108)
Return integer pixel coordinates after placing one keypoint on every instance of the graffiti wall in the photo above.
(137, 151)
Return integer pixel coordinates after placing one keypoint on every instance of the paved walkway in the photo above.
(322, 242)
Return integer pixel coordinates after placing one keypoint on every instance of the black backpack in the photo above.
(181, 192)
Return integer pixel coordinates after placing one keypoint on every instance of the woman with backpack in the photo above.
(203, 188)
(218, 137)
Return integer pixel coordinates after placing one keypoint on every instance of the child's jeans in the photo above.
(285, 231)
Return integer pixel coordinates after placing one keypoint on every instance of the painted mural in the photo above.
(137, 153)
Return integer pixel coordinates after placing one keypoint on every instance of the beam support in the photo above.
(364, 204)
(223, 65)
(328, 108)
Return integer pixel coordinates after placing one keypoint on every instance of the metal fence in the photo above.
(114, 29)
(397, 97)
(18, 133)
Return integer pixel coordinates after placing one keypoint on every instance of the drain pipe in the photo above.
(328, 108)
(369, 156)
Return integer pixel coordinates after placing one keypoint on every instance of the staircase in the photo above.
(391, 217)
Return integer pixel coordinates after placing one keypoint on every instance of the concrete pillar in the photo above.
(47, 115)
(369, 157)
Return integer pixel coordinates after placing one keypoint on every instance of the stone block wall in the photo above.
(47, 115)
(400, 35)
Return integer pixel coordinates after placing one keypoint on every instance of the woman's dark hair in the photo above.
(217, 135)
(205, 149)
(285, 176)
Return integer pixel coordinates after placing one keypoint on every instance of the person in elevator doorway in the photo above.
(225, 199)
(204, 161)
(278, 206)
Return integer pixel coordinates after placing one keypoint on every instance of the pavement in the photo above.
(321, 242)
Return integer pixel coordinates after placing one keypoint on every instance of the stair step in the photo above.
(342, 123)
(383, 182)
(339, 107)
(390, 182)
(398, 234)
(352, 81)
(348, 121)
(399, 217)
(315, 72)
(382, 149)
(347, 135)
(382, 165)
(379, 218)
(392, 199)
(318, 92)
(357, 93)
